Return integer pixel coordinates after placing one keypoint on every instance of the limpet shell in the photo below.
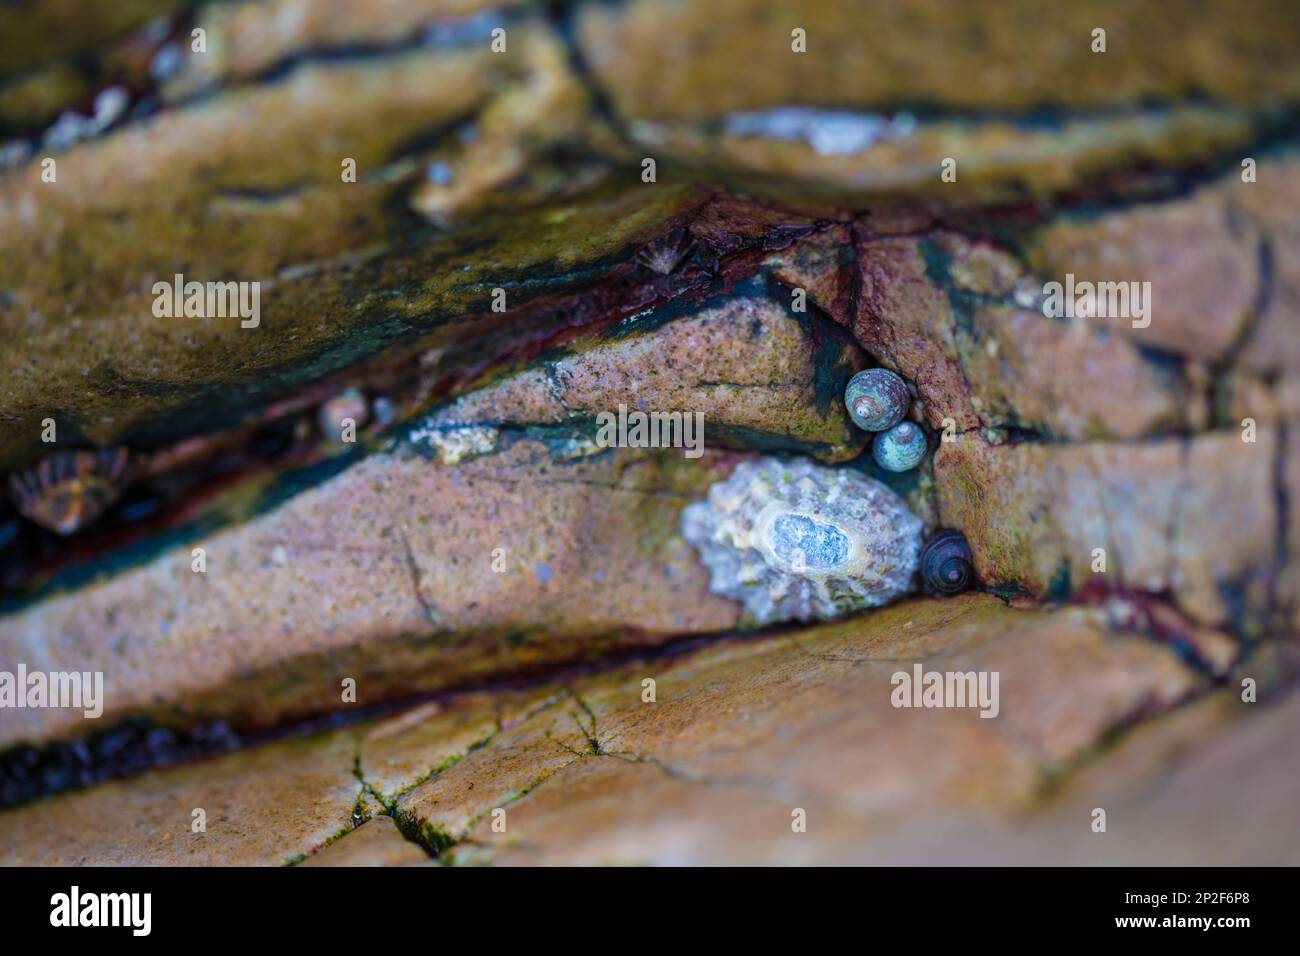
(664, 256)
(798, 541)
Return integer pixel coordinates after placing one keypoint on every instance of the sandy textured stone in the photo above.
(825, 266)
(36, 99)
(36, 33)
(385, 574)
(969, 59)
(1272, 345)
(247, 39)
(711, 771)
(1191, 517)
(401, 751)
(1200, 254)
(1232, 802)
(377, 842)
(1289, 581)
(477, 537)
(905, 320)
(760, 375)
(1000, 161)
(740, 734)
(950, 315)
(680, 99)
(246, 186)
(276, 802)
(265, 806)
(1030, 371)
(1212, 784)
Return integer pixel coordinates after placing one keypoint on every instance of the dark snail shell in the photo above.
(946, 563)
(70, 489)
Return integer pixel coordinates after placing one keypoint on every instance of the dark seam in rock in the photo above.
(427, 610)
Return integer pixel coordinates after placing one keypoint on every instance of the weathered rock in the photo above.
(905, 319)
(52, 30)
(1201, 297)
(387, 574)
(923, 52)
(713, 770)
(1272, 344)
(737, 737)
(1217, 769)
(836, 116)
(479, 536)
(946, 314)
(1029, 371)
(1195, 518)
(246, 40)
(261, 806)
(377, 842)
(1288, 592)
(760, 375)
(248, 186)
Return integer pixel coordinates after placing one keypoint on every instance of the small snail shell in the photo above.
(946, 563)
(348, 404)
(876, 399)
(901, 448)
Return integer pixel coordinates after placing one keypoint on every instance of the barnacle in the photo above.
(69, 490)
(664, 256)
(794, 540)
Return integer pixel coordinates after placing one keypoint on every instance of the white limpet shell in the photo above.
(799, 541)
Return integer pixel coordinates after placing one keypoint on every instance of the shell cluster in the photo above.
(798, 541)
(69, 490)
(877, 400)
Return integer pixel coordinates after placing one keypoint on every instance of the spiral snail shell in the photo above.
(876, 399)
(901, 448)
(946, 563)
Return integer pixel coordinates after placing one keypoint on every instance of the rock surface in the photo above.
(733, 743)
(476, 635)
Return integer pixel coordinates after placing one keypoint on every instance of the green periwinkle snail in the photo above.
(877, 399)
(901, 448)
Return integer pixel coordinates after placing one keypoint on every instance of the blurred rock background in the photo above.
(1170, 158)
